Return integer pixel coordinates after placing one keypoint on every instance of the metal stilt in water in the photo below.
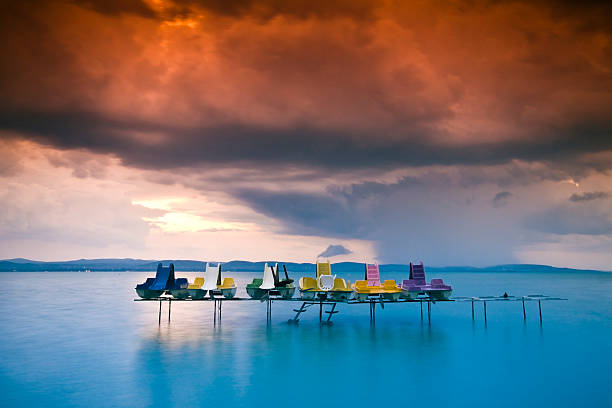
(220, 304)
(484, 303)
(320, 311)
(421, 302)
(540, 309)
(159, 319)
(374, 312)
(428, 311)
(524, 313)
(169, 308)
(472, 309)
(299, 311)
(215, 312)
(331, 313)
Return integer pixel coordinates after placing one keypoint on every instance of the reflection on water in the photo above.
(80, 339)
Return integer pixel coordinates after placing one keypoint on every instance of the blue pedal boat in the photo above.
(155, 287)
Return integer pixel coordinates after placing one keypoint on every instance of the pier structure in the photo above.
(325, 316)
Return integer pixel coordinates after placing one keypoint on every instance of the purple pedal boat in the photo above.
(416, 284)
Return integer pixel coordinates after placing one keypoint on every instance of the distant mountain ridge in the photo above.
(141, 265)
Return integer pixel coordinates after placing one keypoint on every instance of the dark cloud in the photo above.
(334, 250)
(357, 95)
(116, 7)
(299, 145)
(588, 196)
(266, 9)
(501, 198)
(304, 213)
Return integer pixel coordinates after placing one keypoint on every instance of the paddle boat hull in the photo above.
(196, 294)
(307, 294)
(256, 292)
(440, 294)
(179, 293)
(392, 296)
(149, 293)
(286, 292)
(361, 296)
(228, 293)
(409, 294)
(341, 295)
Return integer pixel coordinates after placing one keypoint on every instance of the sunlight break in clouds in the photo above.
(174, 220)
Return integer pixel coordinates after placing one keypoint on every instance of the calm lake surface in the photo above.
(79, 339)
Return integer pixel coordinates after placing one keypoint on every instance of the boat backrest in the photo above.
(340, 284)
(268, 277)
(257, 282)
(323, 268)
(326, 282)
(307, 283)
(210, 277)
(372, 275)
(164, 278)
(361, 285)
(197, 283)
(390, 284)
(228, 283)
(408, 283)
(181, 283)
(417, 273)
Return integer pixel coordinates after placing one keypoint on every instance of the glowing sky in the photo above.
(461, 132)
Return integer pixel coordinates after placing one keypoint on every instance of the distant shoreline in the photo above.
(138, 265)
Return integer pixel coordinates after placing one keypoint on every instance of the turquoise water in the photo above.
(79, 339)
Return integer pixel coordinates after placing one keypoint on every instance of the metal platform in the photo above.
(332, 304)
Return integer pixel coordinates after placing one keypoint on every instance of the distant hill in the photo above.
(139, 265)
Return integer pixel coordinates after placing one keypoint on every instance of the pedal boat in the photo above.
(271, 284)
(391, 291)
(155, 287)
(321, 287)
(417, 284)
(195, 289)
(179, 289)
(341, 291)
(370, 286)
(212, 283)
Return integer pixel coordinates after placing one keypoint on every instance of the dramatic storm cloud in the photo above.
(464, 132)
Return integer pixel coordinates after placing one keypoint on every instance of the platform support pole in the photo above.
(472, 309)
(524, 313)
(374, 312)
(428, 311)
(421, 303)
(485, 310)
(320, 311)
(220, 304)
(540, 309)
(215, 311)
(169, 308)
(159, 319)
(331, 312)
